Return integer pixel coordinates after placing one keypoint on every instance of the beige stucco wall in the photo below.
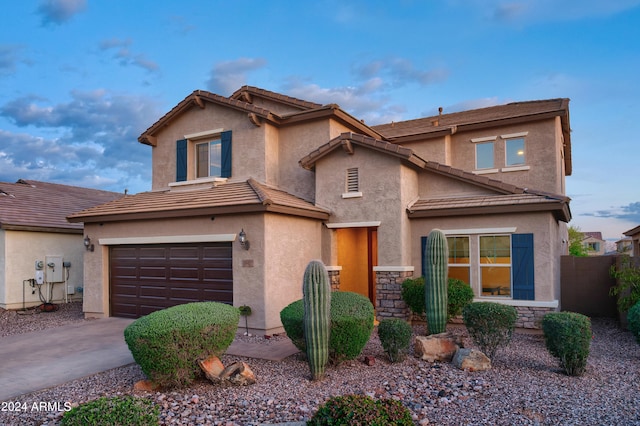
(248, 152)
(290, 244)
(19, 250)
(543, 153)
(547, 245)
(387, 187)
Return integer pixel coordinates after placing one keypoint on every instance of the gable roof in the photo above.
(246, 94)
(248, 196)
(594, 235)
(510, 198)
(633, 231)
(307, 111)
(500, 115)
(41, 206)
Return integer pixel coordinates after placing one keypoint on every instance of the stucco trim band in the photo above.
(528, 303)
(333, 268)
(213, 238)
(352, 224)
(393, 268)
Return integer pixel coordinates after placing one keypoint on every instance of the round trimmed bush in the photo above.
(490, 325)
(395, 336)
(567, 336)
(167, 344)
(361, 410)
(115, 411)
(633, 321)
(351, 325)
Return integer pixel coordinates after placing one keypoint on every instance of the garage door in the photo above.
(146, 278)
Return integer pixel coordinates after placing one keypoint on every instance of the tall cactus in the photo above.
(316, 296)
(435, 260)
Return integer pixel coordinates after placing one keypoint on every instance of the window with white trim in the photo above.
(459, 266)
(484, 155)
(514, 151)
(495, 265)
(209, 159)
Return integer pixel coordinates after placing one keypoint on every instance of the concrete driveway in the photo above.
(34, 361)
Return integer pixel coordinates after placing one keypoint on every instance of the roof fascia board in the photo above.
(559, 210)
(29, 228)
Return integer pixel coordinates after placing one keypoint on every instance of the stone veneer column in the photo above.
(334, 277)
(389, 303)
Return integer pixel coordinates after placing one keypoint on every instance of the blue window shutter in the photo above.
(522, 267)
(423, 246)
(225, 138)
(181, 160)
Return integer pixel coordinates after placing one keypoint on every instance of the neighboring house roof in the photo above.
(257, 115)
(594, 235)
(510, 198)
(41, 206)
(633, 231)
(226, 198)
(500, 115)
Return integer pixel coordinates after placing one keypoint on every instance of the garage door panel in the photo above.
(147, 278)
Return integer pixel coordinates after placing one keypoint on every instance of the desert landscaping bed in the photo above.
(524, 387)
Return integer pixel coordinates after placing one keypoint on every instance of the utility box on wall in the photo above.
(54, 271)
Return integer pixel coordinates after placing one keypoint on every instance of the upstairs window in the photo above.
(209, 155)
(514, 149)
(484, 155)
(209, 159)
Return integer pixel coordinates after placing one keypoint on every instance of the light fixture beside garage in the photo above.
(242, 237)
(87, 243)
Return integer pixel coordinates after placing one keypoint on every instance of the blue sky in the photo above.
(81, 79)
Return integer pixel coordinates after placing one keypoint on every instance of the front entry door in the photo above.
(358, 254)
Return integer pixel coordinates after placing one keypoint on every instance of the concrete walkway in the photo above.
(39, 360)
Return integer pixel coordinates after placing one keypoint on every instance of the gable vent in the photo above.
(353, 180)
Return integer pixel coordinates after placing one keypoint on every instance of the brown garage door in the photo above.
(146, 278)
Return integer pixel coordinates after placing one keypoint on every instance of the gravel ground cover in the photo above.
(524, 387)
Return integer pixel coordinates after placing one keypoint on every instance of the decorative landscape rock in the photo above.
(471, 360)
(437, 347)
(237, 373)
(146, 385)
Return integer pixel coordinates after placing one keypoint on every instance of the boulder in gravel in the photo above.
(146, 385)
(437, 347)
(238, 373)
(471, 360)
(212, 368)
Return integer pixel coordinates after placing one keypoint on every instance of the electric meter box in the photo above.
(53, 269)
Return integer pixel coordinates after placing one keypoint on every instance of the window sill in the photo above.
(485, 171)
(187, 184)
(515, 169)
(352, 195)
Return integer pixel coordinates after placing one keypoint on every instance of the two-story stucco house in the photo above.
(247, 189)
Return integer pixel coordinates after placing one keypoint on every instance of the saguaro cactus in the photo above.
(435, 281)
(316, 296)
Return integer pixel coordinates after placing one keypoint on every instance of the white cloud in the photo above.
(228, 76)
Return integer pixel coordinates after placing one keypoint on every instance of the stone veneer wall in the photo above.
(530, 317)
(389, 303)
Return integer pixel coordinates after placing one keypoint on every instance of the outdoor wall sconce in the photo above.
(242, 237)
(87, 243)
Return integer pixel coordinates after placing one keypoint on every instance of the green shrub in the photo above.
(395, 336)
(627, 288)
(633, 319)
(413, 294)
(490, 325)
(567, 336)
(167, 344)
(115, 411)
(361, 410)
(351, 325)
(459, 294)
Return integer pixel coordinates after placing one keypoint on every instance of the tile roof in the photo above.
(246, 92)
(488, 204)
(43, 206)
(227, 198)
(596, 235)
(633, 231)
